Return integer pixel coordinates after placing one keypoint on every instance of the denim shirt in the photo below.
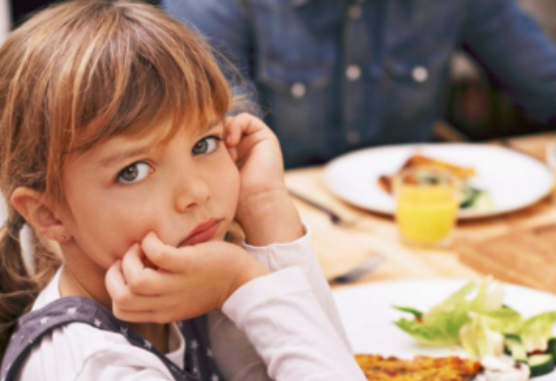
(336, 75)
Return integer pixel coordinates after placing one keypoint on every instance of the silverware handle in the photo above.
(315, 205)
(360, 270)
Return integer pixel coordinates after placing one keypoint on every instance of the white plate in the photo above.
(513, 179)
(368, 316)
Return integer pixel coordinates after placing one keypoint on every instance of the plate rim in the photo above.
(461, 215)
(438, 281)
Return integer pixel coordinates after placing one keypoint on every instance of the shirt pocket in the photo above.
(415, 81)
(420, 41)
(297, 96)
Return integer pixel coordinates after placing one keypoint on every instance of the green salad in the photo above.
(473, 198)
(476, 318)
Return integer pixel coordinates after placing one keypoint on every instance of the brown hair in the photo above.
(72, 76)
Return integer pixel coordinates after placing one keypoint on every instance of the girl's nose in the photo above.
(191, 192)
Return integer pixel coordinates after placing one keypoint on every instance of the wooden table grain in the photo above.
(340, 248)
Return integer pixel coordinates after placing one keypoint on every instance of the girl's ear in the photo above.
(39, 213)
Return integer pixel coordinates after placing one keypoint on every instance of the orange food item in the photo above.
(420, 161)
(420, 368)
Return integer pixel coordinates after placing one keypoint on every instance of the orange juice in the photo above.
(426, 210)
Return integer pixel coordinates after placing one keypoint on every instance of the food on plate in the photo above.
(421, 161)
(420, 368)
(476, 318)
(471, 197)
(502, 369)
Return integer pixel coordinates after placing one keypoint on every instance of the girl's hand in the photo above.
(265, 210)
(188, 281)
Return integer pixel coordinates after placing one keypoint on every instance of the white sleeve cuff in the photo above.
(277, 256)
(299, 253)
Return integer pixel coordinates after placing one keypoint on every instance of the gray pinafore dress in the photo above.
(32, 327)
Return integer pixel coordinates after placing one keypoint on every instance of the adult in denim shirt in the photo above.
(338, 75)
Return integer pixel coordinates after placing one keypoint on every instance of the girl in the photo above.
(115, 145)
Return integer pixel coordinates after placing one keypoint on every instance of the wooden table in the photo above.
(340, 248)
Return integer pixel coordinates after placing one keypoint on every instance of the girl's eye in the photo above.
(206, 145)
(134, 173)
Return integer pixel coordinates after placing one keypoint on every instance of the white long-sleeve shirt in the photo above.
(283, 327)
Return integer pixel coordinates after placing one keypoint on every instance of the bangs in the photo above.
(85, 71)
(81, 72)
(141, 73)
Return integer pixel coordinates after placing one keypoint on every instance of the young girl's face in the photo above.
(185, 189)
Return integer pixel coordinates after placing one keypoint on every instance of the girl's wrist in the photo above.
(270, 217)
(249, 271)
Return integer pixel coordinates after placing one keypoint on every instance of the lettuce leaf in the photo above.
(537, 330)
(442, 324)
(479, 340)
(504, 320)
(435, 335)
(418, 314)
(475, 317)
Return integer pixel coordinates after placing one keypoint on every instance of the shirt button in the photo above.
(420, 74)
(352, 137)
(298, 90)
(353, 72)
(355, 11)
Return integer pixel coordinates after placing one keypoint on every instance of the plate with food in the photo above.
(495, 179)
(480, 330)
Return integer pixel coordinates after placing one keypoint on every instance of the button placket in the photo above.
(356, 44)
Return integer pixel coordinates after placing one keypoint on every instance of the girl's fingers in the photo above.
(140, 317)
(132, 263)
(114, 280)
(164, 256)
(122, 296)
(242, 124)
(233, 132)
(246, 123)
(161, 315)
(142, 303)
(233, 153)
(144, 280)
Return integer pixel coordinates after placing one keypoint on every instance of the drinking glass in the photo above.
(427, 203)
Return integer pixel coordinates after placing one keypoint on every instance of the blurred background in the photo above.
(475, 107)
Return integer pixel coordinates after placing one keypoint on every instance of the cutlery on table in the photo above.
(362, 269)
(334, 217)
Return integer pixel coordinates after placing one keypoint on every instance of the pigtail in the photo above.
(17, 288)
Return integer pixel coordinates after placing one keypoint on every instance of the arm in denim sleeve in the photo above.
(227, 27)
(515, 51)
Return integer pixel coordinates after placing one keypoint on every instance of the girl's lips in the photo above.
(202, 233)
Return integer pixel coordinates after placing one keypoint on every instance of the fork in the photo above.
(362, 269)
(334, 217)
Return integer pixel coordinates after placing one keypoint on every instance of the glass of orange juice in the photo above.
(427, 203)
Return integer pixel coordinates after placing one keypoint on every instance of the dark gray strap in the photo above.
(33, 326)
